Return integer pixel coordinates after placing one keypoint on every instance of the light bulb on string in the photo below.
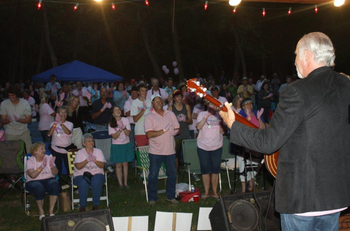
(113, 6)
(76, 7)
(263, 12)
(206, 5)
(290, 10)
(39, 4)
(234, 2)
(234, 10)
(316, 9)
(147, 2)
(338, 3)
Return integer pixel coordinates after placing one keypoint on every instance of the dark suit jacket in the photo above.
(311, 129)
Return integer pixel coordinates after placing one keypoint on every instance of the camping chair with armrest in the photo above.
(143, 164)
(191, 160)
(103, 141)
(11, 163)
(26, 193)
(71, 158)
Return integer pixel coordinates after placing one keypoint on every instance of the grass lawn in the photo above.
(125, 202)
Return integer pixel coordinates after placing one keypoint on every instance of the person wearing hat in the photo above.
(183, 114)
(161, 126)
(140, 107)
(245, 88)
(127, 110)
(255, 117)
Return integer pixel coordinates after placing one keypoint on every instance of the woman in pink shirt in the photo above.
(89, 166)
(40, 176)
(46, 118)
(209, 148)
(121, 149)
(61, 133)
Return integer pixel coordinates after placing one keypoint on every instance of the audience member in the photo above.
(46, 118)
(101, 110)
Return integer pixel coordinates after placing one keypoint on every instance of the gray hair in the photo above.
(320, 45)
(87, 136)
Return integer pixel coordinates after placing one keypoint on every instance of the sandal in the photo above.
(215, 196)
(41, 217)
(52, 215)
(205, 196)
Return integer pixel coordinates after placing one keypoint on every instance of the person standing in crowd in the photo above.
(156, 90)
(16, 114)
(61, 133)
(52, 87)
(140, 107)
(209, 149)
(183, 114)
(101, 110)
(64, 96)
(127, 111)
(288, 81)
(245, 88)
(120, 95)
(265, 100)
(46, 118)
(74, 116)
(89, 160)
(41, 171)
(31, 102)
(161, 126)
(84, 100)
(310, 128)
(95, 93)
(121, 150)
(170, 88)
(215, 94)
(236, 103)
(199, 107)
(255, 158)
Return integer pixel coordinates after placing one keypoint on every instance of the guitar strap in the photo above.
(346, 75)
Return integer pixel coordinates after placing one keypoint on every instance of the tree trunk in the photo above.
(155, 65)
(47, 38)
(239, 49)
(41, 51)
(177, 52)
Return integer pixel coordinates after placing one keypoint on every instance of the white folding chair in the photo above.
(26, 193)
(71, 157)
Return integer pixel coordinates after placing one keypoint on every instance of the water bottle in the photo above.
(192, 188)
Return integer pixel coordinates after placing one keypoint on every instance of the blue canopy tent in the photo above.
(77, 71)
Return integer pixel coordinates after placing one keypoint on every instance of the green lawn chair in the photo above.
(143, 164)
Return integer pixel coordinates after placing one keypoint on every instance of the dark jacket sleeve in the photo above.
(286, 119)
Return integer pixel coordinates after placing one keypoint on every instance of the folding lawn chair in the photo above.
(71, 157)
(191, 161)
(143, 165)
(11, 163)
(26, 201)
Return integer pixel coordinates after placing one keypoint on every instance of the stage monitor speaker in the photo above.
(241, 213)
(98, 220)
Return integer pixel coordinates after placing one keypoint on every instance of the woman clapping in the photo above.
(121, 149)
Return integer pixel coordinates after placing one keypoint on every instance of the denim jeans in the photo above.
(84, 184)
(155, 164)
(39, 188)
(209, 160)
(291, 222)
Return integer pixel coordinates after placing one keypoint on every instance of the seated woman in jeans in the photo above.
(209, 148)
(41, 171)
(89, 160)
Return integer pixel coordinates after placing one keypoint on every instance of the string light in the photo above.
(316, 9)
(263, 12)
(338, 3)
(234, 2)
(76, 7)
(113, 6)
(206, 5)
(39, 4)
(234, 10)
(290, 10)
(147, 2)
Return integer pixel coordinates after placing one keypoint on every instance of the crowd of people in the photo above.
(160, 114)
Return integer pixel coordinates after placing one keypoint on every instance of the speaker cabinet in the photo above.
(98, 220)
(241, 213)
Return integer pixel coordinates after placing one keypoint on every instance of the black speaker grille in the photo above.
(243, 215)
